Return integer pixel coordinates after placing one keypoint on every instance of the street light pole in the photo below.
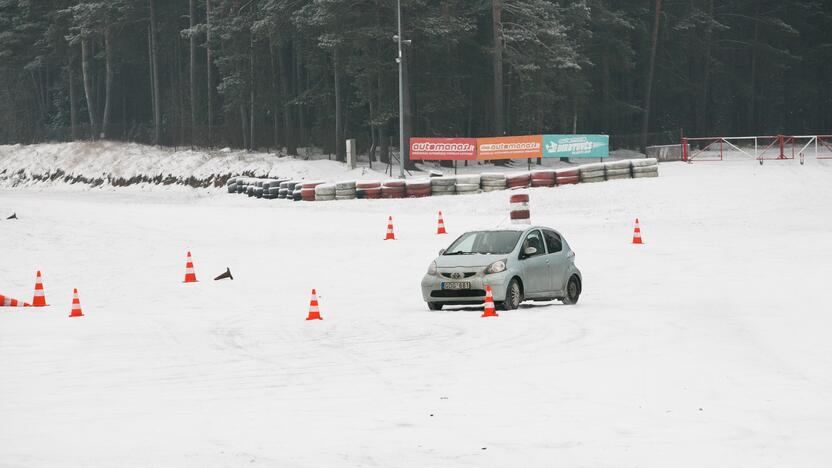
(401, 90)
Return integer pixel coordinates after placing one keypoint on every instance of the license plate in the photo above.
(465, 285)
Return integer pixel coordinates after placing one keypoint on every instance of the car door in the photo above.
(557, 260)
(535, 267)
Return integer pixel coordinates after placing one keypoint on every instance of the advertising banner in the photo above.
(576, 146)
(513, 147)
(443, 149)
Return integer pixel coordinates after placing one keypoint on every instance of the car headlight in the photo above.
(496, 267)
(432, 268)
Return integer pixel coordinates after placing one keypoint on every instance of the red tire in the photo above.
(543, 183)
(520, 214)
(543, 175)
(392, 192)
(568, 180)
(425, 192)
(518, 178)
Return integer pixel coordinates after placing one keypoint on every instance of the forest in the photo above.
(290, 74)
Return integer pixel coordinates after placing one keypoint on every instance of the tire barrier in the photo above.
(443, 185)
(467, 189)
(345, 190)
(644, 162)
(393, 189)
(592, 172)
(368, 189)
(463, 184)
(285, 188)
(641, 175)
(418, 188)
(643, 168)
(290, 189)
(543, 178)
(519, 180)
(519, 209)
(468, 184)
(325, 192)
(493, 181)
(469, 179)
(567, 176)
(307, 190)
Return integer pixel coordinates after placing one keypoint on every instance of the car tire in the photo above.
(435, 305)
(514, 296)
(573, 291)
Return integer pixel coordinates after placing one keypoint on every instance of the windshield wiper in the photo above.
(460, 253)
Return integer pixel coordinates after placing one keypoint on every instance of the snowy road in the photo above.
(708, 346)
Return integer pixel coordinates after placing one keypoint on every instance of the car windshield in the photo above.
(484, 242)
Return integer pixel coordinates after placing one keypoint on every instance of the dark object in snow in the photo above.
(13, 216)
(225, 275)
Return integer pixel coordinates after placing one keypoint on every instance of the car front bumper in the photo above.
(432, 287)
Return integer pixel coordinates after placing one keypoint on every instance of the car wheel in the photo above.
(573, 291)
(435, 305)
(514, 296)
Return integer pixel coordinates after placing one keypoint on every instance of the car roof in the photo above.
(515, 227)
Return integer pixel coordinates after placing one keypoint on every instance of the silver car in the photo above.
(519, 263)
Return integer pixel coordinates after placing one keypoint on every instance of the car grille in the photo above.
(467, 274)
(458, 293)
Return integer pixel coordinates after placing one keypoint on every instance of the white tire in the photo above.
(641, 175)
(625, 164)
(644, 162)
(641, 169)
(618, 172)
(619, 176)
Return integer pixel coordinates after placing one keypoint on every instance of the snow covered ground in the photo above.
(707, 346)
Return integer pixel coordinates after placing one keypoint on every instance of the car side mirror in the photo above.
(530, 251)
(441, 251)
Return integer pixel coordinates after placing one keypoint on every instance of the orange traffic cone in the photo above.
(390, 235)
(40, 299)
(76, 305)
(314, 313)
(489, 304)
(637, 234)
(6, 301)
(190, 276)
(441, 228)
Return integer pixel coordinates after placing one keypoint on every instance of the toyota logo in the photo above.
(456, 275)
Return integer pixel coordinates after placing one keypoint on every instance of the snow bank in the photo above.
(108, 163)
(116, 164)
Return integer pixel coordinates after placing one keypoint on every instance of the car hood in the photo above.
(476, 260)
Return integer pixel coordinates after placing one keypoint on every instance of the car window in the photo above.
(465, 244)
(484, 242)
(553, 242)
(534, 239)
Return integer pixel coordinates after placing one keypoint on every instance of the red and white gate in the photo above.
(757, 148)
